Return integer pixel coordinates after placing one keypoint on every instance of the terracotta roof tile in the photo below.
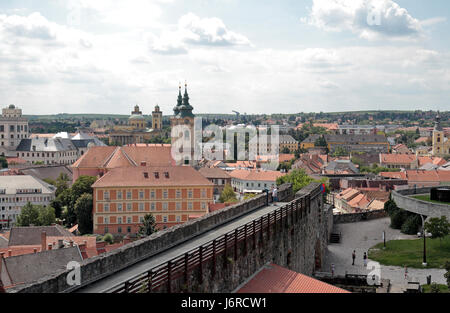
(256, 175)
(276, 279)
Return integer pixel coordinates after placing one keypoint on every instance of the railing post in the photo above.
(254, 234)
(245, 240)
(214, 259)
(150, 283)
(225, 251)
(169, 277)
(186, 268)
(200, 269)
(268, 227)
(127, 287)
(262, 233)
(235, 244)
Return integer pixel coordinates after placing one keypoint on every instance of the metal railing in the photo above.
(249, 233)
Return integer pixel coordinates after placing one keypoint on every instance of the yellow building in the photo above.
(441, 144)
(157, 118)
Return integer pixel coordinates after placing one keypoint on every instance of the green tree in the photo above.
(83, 211)
(29, 214)
(46, 216)
(228, 195)
(438, 227)
(109, 238)
(148, 226)
(83, 185)
(398, 218)
(299, 179)
(412, 224)
(3, 162)
(320, 142)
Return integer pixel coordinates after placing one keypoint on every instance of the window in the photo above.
(128, 194)
(165, 206)
(129, 229)
(141, 195)
(141, 206)
(119, 220)
(119, 229)
(178, 218)
(106, 220)
(119, 195)
(165, 194)
(190, 205)
(152, 194)
(178, 205)
(128, 220)
(106, 207)
(203, 206)
(165, 218)
(129, 206)
(106, 193)
(178, 194)
(152, 206)
(203, 193)
(190, 194)
(119, 207)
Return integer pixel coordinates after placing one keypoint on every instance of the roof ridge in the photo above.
(108, 159)
(129, 158)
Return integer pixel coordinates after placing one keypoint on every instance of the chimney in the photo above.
(49, 246)
(71, 243)
(34, 250)
(9, 253)
(60, 243)
(83, 252)
(43, 240)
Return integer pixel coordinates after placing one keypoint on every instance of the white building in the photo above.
(13, 128)
(17, 191)
(244, 181)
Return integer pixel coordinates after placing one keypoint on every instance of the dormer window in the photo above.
(166, 174)
(145, 175)
(156, 175)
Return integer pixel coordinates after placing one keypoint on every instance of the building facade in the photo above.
(173, 195)
(17, 191)
(441, 144)
(249, 181)
(13, 128)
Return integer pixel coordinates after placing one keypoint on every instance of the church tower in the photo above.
(183, 116)
(157, 118)
(438, 137)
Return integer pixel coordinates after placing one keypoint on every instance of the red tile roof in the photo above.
(276, 279)
(256, 175)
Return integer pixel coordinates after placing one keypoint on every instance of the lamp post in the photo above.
(424, 262)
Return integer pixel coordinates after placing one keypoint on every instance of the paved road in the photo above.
(360, 237)
(145, 265)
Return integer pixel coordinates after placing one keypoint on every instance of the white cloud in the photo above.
(369, 19)
(193, 30)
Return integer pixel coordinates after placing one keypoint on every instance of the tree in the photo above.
(438, 227)
(83, 211)
(148, 226)
(228, 195)
(3, 162)
(320, 142)
(46, 216)
(37, 215)
(299, 179)
(109, 238)
(29, 214)
(285, 150)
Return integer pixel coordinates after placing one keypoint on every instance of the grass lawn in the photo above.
(442, 288)
(427, 198)
(410, 253)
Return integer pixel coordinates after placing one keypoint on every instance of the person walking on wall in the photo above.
(275, 194)
(353, 257)
(365, 259)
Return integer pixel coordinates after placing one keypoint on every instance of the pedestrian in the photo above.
(275, 194)
(332, 270)
(406, 272)
(365, 259)
(353, 257)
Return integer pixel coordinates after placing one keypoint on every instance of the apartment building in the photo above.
(173, 194)
(17, 191)
(13, 128)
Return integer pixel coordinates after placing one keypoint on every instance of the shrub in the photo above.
(411, 225)
(397, 219)
(108, 238)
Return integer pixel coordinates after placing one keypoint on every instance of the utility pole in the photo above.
(424, 262)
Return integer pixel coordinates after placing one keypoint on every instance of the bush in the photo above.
(108, 238)
(411, 225)
(397, 219)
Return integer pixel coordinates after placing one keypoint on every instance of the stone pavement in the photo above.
(361, 236)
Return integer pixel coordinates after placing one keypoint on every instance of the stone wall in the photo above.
(357, 217)
(404, 200)
(106, 264)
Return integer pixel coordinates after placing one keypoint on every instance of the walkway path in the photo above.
(145, 265)
(361, 236)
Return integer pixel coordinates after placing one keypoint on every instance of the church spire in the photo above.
(186, 96)
(437, 122)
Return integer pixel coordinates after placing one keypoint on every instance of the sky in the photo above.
(251, 56)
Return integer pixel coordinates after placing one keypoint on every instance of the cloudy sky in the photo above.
(253, 56)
